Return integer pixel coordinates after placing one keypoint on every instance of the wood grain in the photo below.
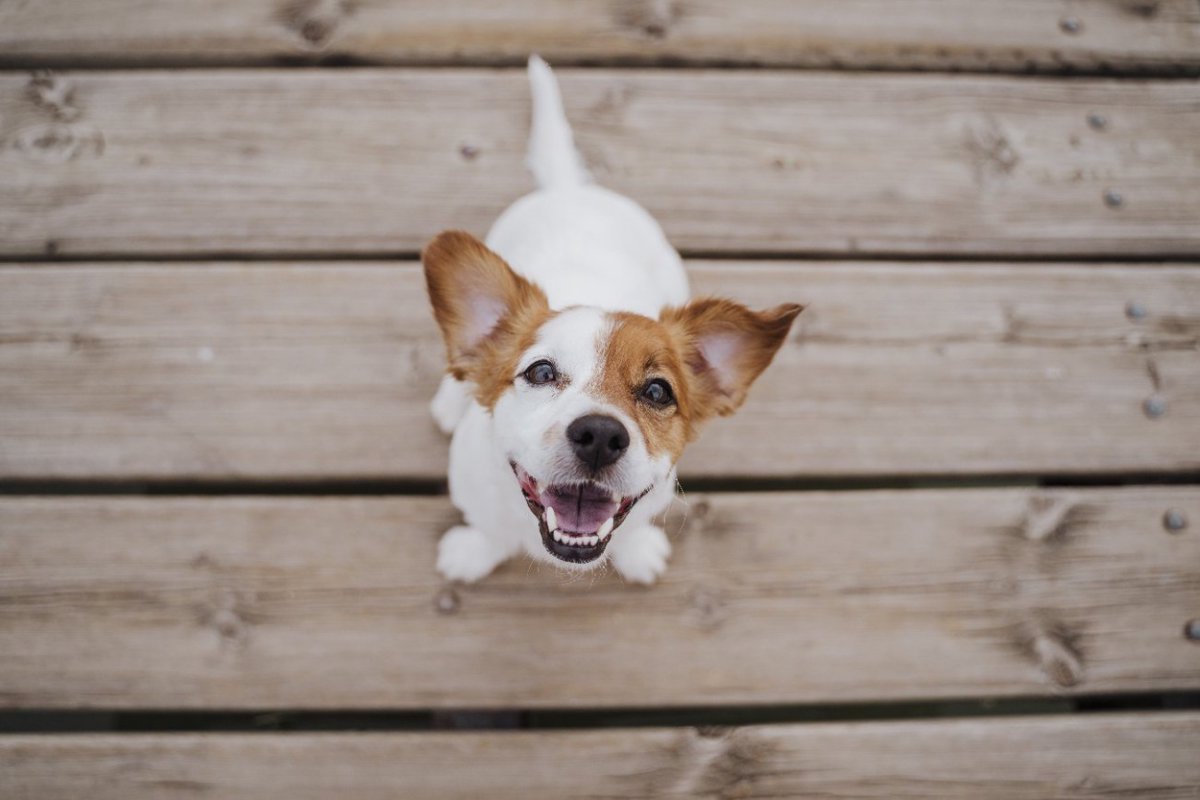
(1130, 36)
(1097, 756)
(313, 371)
(370, 161)
(210, 603)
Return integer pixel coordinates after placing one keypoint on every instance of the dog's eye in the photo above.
(658, 392)
(541, 372)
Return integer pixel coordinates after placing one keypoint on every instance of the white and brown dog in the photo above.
(578, 373)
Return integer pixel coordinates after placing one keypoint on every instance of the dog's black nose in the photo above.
(598, 440)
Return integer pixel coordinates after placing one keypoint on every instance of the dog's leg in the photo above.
(449, 404)
(640, 555)
(468, 554)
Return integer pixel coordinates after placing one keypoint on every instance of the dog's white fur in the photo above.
(589, 249)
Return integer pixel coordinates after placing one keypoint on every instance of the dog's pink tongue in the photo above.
(579, 509)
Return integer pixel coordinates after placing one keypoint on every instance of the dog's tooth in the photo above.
(605, 529)
(551, 518)
(616, 497)
(593, 540)
(558, 537)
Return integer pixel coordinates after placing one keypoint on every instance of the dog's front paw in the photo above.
(449, 404)
(641, 555)
(466, 554)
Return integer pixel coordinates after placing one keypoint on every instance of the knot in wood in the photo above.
(992, 154)
(652, 18)
(58, 143)
(315, 21)
(1058, 660)
(1049, 518)
(227, 614)
(228, 624)
(1146, 9)
(707, 608)
(55, 94)
(718, 763)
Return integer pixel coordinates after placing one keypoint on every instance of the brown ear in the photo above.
(477, 298)
(727, 346)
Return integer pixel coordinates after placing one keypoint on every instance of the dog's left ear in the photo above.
(726, 346)
(477, 298)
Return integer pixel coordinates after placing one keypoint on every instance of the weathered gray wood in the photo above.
(1008, 35)
(371, 161)
(1031, 758)
(281, 372)
(770, 598)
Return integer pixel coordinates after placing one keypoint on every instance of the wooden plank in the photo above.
(1076, 757)
(369, 161)
(770, 598)
(1006, 35)
(302, 372)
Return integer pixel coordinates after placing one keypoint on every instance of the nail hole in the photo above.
(1070, 25)
(1097, 122)
(1113, 198)
(1135, 310)
(1191, 630)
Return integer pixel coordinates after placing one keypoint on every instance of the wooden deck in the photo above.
(969, 486)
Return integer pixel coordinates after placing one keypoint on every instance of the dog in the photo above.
(577, 368)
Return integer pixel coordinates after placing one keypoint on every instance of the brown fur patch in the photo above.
(640, 349)
(467, 283)
(746, 340)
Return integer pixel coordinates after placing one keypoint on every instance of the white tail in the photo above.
(552, 157)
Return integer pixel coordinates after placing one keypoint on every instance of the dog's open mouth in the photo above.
(576, 520)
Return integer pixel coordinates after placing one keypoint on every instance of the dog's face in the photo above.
(591, 408)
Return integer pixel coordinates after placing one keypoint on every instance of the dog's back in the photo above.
(583, 244)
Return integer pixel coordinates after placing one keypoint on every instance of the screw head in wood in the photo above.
(1070, 25)
(1135, 310)
(1097, 122)
(1154, 406)
(1113, 198)
(1191, 630)
(1174, 520)
(446, 601)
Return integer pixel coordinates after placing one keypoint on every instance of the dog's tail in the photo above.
(552, 157)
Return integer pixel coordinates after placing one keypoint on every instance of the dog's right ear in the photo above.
(477, 299)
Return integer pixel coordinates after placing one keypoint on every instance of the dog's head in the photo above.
(591, 408)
